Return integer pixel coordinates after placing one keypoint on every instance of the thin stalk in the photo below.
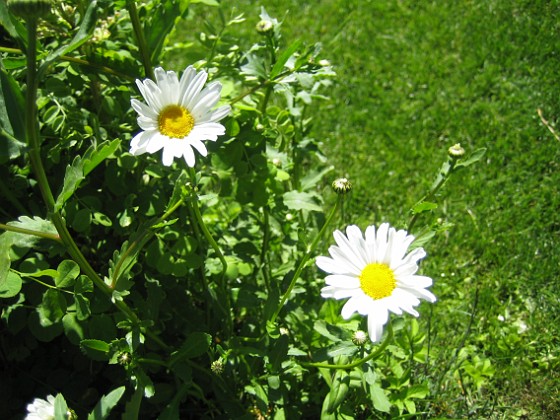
(264, 249)
(443, 175)
(380, 350)
(142, 238)
(139, 32)
(32, 135)
(45, 235)
(310, 251)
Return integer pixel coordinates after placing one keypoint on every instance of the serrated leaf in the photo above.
(164, 15)
(106, 404)
(94, 156)
(296, 200)
(5, 245)
(344, 348)
(311, 179)
(84, 31)
(72, 179)
(417, 391)
(68, 271)
(35, 224)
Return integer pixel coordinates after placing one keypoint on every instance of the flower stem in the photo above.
(443, 175)
(32, 136)
(138, 31)
(310, 251)
(45, 235)
(359, 362)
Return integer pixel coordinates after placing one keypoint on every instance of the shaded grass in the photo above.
(415, 78)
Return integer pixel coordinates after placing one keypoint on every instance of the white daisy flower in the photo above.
(40, 409)
(177, 115)
(375, 274)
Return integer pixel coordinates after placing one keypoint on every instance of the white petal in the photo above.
(216, 115)
(381, 242)
(414, 281)
(343, 259)
(143, 109)
(371, 245)
(188, 154)
(167, 158)
(377, 319)
(357, 242)
(189, 96)
(156, 143)
(355, 256)
(342, 281)
(198, 145)
(207, 131)
(350, 307)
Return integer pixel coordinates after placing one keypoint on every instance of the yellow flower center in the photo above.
(175, 121)
(377, 280)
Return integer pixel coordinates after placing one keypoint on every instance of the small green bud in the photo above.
(456, 151)
(341, 186)
(30, 9)
(359, 337)
(264, 26)
(124, 358)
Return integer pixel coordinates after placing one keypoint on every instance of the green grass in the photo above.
(413, 79)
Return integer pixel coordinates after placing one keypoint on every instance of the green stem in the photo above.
(264, 250)
(310, 251)
(138, 31)
(144, 236)
(380, 350)
(32, 135)
(45, 235)
(444, 173)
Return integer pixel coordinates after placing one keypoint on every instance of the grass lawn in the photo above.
(413, 79)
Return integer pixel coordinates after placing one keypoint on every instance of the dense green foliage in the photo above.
(191, 292)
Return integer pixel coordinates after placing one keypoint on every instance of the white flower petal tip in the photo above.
(375, 272)
(177, 115)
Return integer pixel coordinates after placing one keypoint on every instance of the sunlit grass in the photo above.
(414, 79)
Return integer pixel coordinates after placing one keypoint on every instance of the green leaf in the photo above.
(311, 179)
(96, 349)
(422, 237)
(73, 330)
(283, 59)
(35, 224)
(195, 344)
(423, 206)
(344, 348)
(52, 308)
(12, 123)
(60, 408)
(68, 271)
(84, 31)
(473, 158)
(164, 15)
(14, 27)
(132, 408)
(72, 179)
(95, 155)
(11, 285)
(296, 200)
(106, 404)
(339, 389)
(379, 398)
(417, 391)
(6, 241)
(206, 2)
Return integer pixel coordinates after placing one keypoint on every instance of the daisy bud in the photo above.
(359, 338)
(217, 367)
(124, 358)
(341, 186)
(456, 151)
(30, 9)
(264, 26)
